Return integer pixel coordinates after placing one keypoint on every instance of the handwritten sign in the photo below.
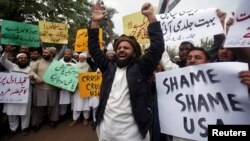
(16, 33)
(62, 75)
(81, 44)
(53, 32)
(200, 95)
(14, 87)
(90, 84)
(136, 25)
(239, 32)
(189, 25)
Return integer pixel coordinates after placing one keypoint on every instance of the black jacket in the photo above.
(138, 76)
(213, 51)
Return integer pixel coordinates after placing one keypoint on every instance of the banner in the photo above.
(136, 25)
(81, 44)
(189, 25)
(14, 87)
(62, 75)
(53, 32)
(191, 98)
(16, 33)
(90, 84)
(239, 32)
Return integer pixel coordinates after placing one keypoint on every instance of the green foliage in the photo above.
(76, 13)
(172, 52)
(206, 43)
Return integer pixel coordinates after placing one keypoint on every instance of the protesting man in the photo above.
(16, 110)
(65, 95)
(45, 97)
(80, 105)
(125, 109)
(197, 56)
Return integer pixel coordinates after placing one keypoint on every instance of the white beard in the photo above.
(83, 66)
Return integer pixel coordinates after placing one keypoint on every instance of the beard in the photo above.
(34, 58)
(22, 65)
(46, 57)
(124, 62)
(67, 59)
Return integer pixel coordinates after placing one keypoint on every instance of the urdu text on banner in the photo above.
(189, 25)
(17, 33)
(14, 87)
(239, 32)
(53, 32)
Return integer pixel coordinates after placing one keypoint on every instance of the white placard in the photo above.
(14, 87)
(239, 32)
(189, 25)
(190, 98)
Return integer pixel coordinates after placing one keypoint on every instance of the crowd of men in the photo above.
(126, 107)
(45, 102)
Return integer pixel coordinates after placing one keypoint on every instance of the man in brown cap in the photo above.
(125, 109)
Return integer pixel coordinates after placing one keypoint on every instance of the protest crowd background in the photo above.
(48, 75)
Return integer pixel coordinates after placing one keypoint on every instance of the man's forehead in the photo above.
(196, 52)
(68, 52)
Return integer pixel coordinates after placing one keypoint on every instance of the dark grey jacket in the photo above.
(138, 76)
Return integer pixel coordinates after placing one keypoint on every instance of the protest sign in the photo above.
(53, 32)
(189, 25)
(90, 84)
(16, 33)
(136, 25)
(62, 75)
(239, 32)
(81, 44)
(191, 98)
(14, 87)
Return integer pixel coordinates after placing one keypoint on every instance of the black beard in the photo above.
(22, 65)
(34, 59)
(47, 58)
(67, 59)
(124, 62)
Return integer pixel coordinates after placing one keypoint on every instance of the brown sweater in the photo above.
(38, 70)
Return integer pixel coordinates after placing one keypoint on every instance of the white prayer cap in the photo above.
(110, 51)
(21, 54)
(29, 19)
(83, 55)
(110, 47)
(52, 48)
(176, 57)
(75, 54)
